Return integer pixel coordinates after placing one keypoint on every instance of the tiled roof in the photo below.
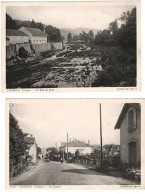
(36, 32)
(10, 32)
(29, 140)
(77, 143)
(123, 112)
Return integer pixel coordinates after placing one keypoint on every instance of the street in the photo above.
(55, 173)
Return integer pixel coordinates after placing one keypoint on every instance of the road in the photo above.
(55, 173)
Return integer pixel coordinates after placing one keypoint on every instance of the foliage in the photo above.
(69, 37)
(119, 68)
(125, 36)
(53, 33)
(10, 23)
(17, 145)
(77, 153)
(133, 173)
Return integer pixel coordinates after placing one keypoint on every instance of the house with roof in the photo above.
(15, 37)
(35, 35)
(129, 123)
(73, 146)
(31, 147)
(114, 150)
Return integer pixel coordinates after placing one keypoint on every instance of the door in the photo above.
(132, 153)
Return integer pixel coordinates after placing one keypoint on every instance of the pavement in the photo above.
(55, 173)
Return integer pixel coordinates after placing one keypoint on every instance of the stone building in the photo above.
(15, 37)
(36, 36)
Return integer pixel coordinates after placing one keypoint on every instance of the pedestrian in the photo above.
(61, 160)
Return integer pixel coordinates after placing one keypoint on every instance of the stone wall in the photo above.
(42, 47)
(10, 50)
(25, 46)
(56, 45)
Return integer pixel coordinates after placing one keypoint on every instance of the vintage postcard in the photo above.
(71, 46)
(75, 143)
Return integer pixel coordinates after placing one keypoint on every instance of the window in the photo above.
(132, 121)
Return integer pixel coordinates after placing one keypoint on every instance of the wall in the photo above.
(29, 34)
(83, 150)
(39, 40)
(126, 137)
(57, 45)
(42, 47)
(33, 153)
(17, 39)
(25, 46)
(10, 51)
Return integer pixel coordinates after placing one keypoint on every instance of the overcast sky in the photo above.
(95, 17)
(49, 121)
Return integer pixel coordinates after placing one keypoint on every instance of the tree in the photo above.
(10, 23)
(33, 24)
(53, 33)
(69, 37)
(17, 145)
(103, 37)
(91, 35)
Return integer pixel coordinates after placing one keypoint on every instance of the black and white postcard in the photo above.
(75, 143)
(71, 46)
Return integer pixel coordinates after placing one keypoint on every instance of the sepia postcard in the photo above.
(75, 143)
(71, 46)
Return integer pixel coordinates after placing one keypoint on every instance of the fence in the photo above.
(16, 168)
(85, 161)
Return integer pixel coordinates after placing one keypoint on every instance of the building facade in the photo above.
(15, 37)
(75, 145)
(35, 35)
(31, 147)
(129, 123)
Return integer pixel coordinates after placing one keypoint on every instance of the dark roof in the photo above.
(123, 112)
(29, 140)
(36, 32)
(77, 143)
(10, 32)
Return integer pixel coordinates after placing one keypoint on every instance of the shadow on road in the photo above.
(83, 171)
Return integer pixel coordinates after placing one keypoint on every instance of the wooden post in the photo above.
(101, 136)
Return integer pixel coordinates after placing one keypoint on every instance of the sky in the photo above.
(94, 17)
(49, 121)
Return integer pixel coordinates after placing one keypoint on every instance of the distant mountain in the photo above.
(76, 31)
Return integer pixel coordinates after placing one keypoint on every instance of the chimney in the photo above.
(89, 142)
(44, 30)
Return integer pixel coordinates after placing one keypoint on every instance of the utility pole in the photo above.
(101, 136)
(67, 146)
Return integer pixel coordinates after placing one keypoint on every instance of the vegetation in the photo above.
(119, 58)
(17, 145)
(83, 37)
(53, 33)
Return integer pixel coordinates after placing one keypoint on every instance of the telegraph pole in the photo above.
(101, 137)
(67, 146)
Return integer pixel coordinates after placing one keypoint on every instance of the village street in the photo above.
(55, 173)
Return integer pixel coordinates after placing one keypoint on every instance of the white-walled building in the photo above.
(16, 37)
(36, 36)
(31, 147)
(74, 145)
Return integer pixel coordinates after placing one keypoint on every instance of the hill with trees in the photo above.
(53, 32)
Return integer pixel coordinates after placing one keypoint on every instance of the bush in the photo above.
(133, 173)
